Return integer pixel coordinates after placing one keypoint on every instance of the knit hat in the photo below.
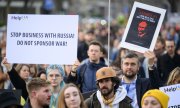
(105, 72)
(159, 95)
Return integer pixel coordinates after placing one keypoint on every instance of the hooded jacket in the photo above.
(87, 80)
(121, 100)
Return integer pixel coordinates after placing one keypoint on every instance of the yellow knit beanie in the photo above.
(159, 95)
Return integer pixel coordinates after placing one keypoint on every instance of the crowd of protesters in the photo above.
(128, 82)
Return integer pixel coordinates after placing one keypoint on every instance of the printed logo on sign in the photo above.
(19, 18)
(172, 89)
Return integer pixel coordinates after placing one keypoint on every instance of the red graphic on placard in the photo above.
(142, 28)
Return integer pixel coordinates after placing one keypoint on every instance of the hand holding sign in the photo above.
(151, 57)
(42, 39)
(143, 27)
(6, 64)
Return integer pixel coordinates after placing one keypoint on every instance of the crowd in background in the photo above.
(93, 41)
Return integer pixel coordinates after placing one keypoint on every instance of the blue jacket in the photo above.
(86, 75)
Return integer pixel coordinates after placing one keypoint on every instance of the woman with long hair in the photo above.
(71, 97)
(174, 77)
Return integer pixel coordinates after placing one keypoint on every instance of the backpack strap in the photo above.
(82, 71)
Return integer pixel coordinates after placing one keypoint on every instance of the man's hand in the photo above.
(74, 67)
(151, 57)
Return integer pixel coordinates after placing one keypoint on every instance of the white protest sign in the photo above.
(143, 27)
(173, 92)
(42, 39)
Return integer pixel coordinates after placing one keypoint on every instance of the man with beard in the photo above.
(109, 93)
(134, 85)
(39, 93)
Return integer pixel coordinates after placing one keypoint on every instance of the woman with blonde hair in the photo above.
(71, 97)
(174, 77)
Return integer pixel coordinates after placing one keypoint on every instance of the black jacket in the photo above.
(142, 85)
(28, 104)
(166, 64)
(18, 82)
(93, 102)
(145, 84)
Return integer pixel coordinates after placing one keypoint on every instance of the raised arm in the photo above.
(153, 72)
(16, 80)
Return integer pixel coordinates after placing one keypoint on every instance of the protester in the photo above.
(71, 97)
(67, 70)
(119, 54)
(118, 71)
(159, 50)
(42, 75)
(55, 74)
(33, 70)
(174, 77)
(23, 71)
(83, 45)
(10, 98)
(155, 99)
(134, 85)
(3, 79)
(167, 62)
(18, 80)
(85, 74)
(39, 93)
(109, 93)
(172, 34)
(48, 6)
(42, 67)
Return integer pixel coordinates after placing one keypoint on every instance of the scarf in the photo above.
(109, 101)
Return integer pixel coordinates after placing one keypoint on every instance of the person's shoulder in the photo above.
(177, 55)
(127, 100)
(164, 56)
(81, 66)
(92, 98)
(126, 103)
(143, 80)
